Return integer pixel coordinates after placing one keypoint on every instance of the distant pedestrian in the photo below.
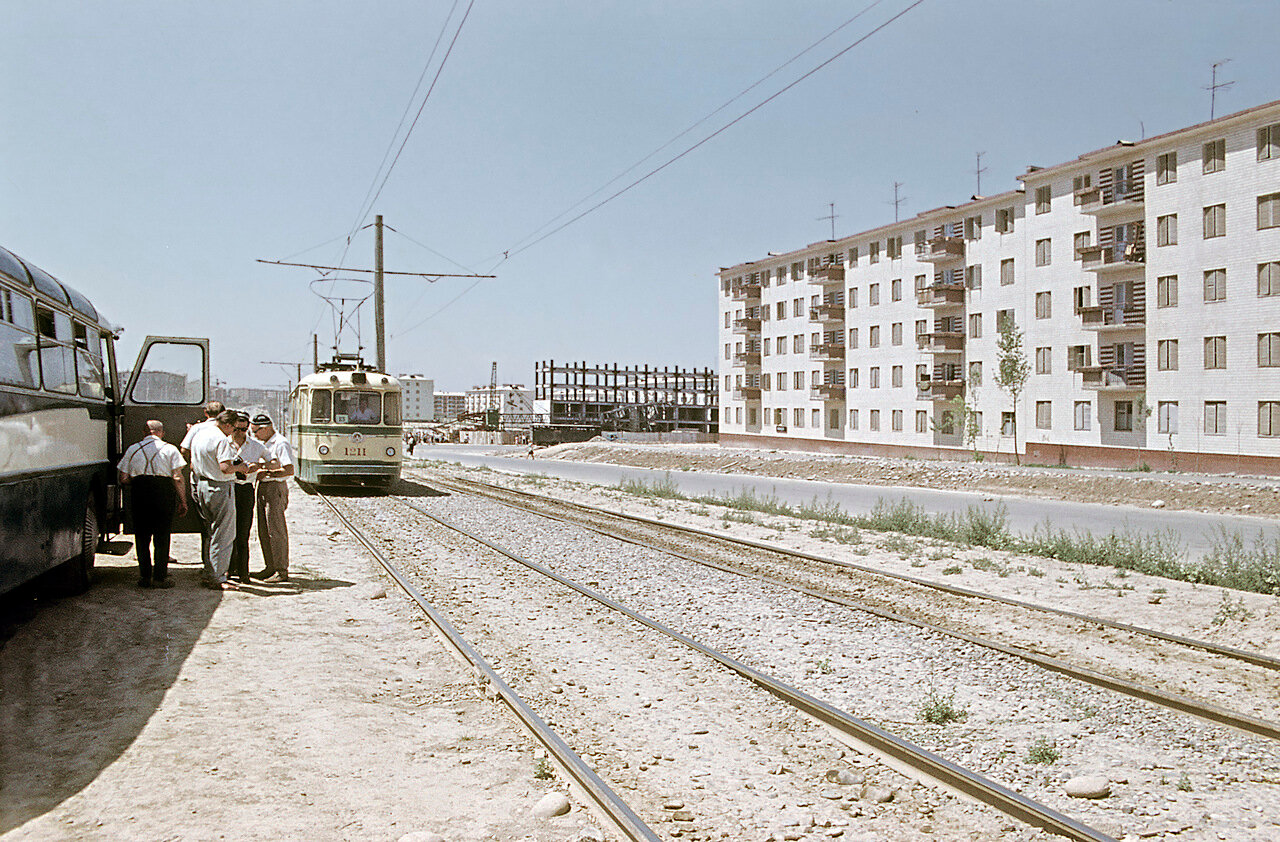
(530, 449)
(152, 472)
(212, 470)
(250, 453)
(273, 499)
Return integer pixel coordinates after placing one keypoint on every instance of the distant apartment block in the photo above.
(417, 398)
(1144, 278)
(449, 405)
(508, 399)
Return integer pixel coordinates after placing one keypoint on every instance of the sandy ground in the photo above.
(316, 710)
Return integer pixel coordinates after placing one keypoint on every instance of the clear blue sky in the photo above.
(151, 151)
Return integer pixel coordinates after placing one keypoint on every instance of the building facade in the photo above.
(1144, 279)
(417, 398)
(449, 405)
(508, 399)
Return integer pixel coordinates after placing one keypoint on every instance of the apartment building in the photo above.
(1144, 279)
(417, 398)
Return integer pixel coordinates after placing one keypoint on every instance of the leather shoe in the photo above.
(276, 578)
(262, 574)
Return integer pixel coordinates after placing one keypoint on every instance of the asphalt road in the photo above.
(1195, 530)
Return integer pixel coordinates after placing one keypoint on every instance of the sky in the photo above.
(152, 152)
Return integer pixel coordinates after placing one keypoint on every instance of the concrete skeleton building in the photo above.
(1144, 278)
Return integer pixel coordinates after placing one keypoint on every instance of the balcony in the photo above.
(828, 392)
(827, 313)
(1112, 319)
(941, 295)
(940, 343)
(1125, 201)
(746, 292)
(827, 352)
(832, 273)
(1114, 378)
(746, 324)
(747, 358)
(1113, 257)
(746, 393)
(940, 249)
(938, 389)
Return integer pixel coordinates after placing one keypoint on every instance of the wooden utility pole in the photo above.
(378, 294)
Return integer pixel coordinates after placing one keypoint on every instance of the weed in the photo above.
(952, 570)
(1184, 783)
(664, 488)
(542, 770)
(731, 516)
(839, 534)
(1232, 564)
(983, 563)
(824, 666)
(1228, 610)
(939, 708)
(1043, 751)
(916, 562)
(898, 544)
(1035, 571)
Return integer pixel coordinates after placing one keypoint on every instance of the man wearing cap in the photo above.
(152, 470)
(251, 453)
(273, 499)
(213, 469)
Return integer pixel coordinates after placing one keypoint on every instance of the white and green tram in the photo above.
(344, 423)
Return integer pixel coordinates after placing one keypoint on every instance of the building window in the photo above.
(895, 375)
(895, 289)
(1044, 305)
(1167, 291)
(853, 297)
(1124, 417)
(873, 337)
(1005, 320)
(766, 381)
(1004, 220)
(1043, 197)
(797, 343)
(853, 337)
(973, 228)
(975, 326)
(922, 421)
(1269, 411)
(1167, 168)
(737, 415)
(797, 307)
(1167, 417)
(1269, 278)
(975, 374)
(1167, 355)
(1269, 142)
(1044, 360)
(1215, 418)
(782, 345)
(1269, 211)
(797, 380)
(875, 420)
(726, 350)
(853, 419)
(1006, 272)
(873, 252)
(1081, 242)
(1215, 352)
(1043, 254)
(873, 295)
(1215, 285)
(1268, 350)
(782, 310)
(895, 333)
(797, 418)
(896, 420)
(973, 277)
(1083, 415)
(1214, 155)
(1167, 230)
(922, 326)
(1006, 423)
(853, 378)
(875, 377)
(1215, 221)
(1044, 415)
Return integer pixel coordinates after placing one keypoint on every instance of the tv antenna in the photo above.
(833, 216)
(1214, 85)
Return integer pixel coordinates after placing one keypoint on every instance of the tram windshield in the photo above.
(351, 406)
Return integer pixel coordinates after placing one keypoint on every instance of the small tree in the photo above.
(1012, 371)
(963, 406)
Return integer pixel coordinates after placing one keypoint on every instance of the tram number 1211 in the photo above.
(354, 451)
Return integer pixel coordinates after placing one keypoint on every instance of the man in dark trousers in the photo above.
(152, 470)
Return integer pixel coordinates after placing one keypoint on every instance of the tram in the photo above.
(345, 426)
(64, 420)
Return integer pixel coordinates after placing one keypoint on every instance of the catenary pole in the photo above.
(378, 294)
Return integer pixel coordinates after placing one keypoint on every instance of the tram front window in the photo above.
(355, 407)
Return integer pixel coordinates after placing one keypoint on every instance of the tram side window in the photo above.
(18, 366)
(320, 400)
(390, 408)
(57, 361)
(354, 407)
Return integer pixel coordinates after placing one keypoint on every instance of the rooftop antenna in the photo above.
(1214, 85)
(831, 216)
(978, 170)
(897, 200)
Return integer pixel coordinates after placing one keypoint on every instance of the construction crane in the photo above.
(493, 386)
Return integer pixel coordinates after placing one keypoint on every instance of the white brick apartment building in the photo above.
(417, 398)
(1145, 278)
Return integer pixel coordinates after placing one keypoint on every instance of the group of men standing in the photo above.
(236, 461)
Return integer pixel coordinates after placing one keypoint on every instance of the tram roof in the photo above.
(349, 379)
(29, 275)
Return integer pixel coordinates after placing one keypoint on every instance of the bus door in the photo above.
(169, 383)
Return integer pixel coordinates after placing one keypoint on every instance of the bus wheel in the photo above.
(73, 576)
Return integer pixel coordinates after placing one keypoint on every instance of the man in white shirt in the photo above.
(211, 410)
(152, 471)
(212, 472)
(253, 455)
(273, 499)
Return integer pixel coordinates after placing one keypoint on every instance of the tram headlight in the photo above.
(391, 451)
(324, 449)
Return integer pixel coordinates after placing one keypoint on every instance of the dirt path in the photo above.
(315, 711)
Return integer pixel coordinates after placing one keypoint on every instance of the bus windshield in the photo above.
(351, 406)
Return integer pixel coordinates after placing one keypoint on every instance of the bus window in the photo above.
(353, 407)
(171, 373)
(18, 366)
(92, 382)
(390, 408)
(320, 400)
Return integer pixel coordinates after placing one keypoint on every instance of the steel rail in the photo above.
(897, 752)
(585, 781)
(1173, 701)
(1255, 658)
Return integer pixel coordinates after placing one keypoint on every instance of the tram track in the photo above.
(868, 739)
(1258, 684)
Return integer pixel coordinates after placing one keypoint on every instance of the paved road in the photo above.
(1195, 530)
